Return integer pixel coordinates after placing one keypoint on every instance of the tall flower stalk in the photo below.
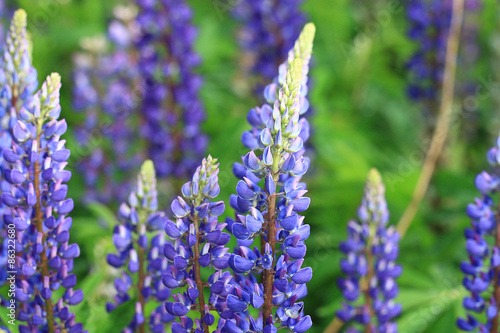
(369, 286)
(429, 26)
(270, 213)
(198, 243)
(482, 269)
(141, 98)
(269, 29)
(106, 90)
(139, 244)
(38, 208)
(430, 23)
(170, 105)
(19, 81)
(443, 121)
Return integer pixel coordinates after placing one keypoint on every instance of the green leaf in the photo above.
(104, 214)
(427, 315)
(98, 320)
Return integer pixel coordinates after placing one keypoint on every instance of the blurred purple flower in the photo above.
(429, 25)
(141, 98)
(269, 29)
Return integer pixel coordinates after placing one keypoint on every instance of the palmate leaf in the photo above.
(431, 302)
(105, 216)
(435, 311)
(98, 320)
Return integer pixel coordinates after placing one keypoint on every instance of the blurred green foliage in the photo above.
(362, 119)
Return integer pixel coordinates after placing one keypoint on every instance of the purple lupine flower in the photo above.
(271, 212)
(269, 29)
(370, 270)
(105, 90)
(139, 244)
(18, 79)
(429, 27)
(38, 210)
(171, 107)
(430, 22)
(198, 242)
(483, 247)
(144, 91)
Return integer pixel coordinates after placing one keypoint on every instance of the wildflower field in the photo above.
(249, 166)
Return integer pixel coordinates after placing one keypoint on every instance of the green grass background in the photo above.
(362, 119)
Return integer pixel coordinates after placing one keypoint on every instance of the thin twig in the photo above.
(334, 326)
(140, 284)
(443, 124)
(439, 136)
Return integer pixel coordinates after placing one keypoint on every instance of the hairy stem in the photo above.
(334, 326)
(141, 254)
(444, 118)
(269, 274)
(39, 227)
(262, 249)
(197, 272)
(366, 287)
(140, 284)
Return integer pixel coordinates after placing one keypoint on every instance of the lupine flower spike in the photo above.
(18, 81)
(269, 29)
(198, 243)
(482, 269)
(430, 22)
(270, 213)
(38, 208)
(106, 90)
(171, 107)
(146, 89)
(429, 26)
(369, 286)
(139, 242)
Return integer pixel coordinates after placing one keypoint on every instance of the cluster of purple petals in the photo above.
(198, 240)
(278, 133)
(259, 116)
(144, 88)
(429, 27)
(430, 22)
(20, 110)
(106, 89)
(481, 268)
(269, 29)
(369, 265)
(18, 79)
(139, 243)
(36, 206)
(171, 109)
